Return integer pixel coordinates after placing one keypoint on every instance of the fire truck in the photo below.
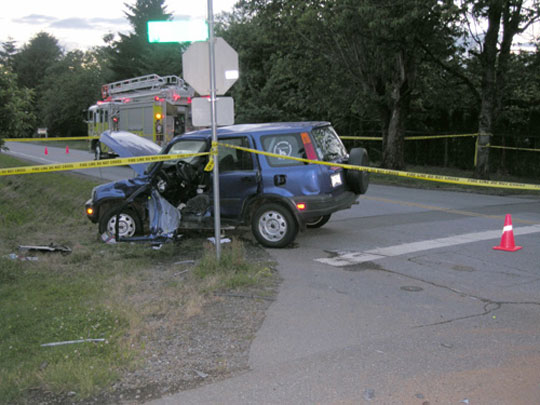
(152, 106)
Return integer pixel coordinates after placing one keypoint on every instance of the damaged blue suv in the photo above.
(276, 196)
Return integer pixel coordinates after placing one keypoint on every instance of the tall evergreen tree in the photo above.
(7, 52)
(132, 55)
(35, 57)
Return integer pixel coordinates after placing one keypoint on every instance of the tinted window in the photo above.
(285, 145)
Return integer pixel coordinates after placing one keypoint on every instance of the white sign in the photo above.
(200, 111)
(196, 66)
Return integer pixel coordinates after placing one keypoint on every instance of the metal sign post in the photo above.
(217, 211)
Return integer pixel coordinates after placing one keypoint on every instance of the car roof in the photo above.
(259, 129)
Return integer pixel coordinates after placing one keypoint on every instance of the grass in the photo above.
(99, 291)
(232, 271)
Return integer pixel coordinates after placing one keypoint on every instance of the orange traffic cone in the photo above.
(67, 149)
(507, 239)
(46, 151)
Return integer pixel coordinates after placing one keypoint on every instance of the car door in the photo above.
(238, 175)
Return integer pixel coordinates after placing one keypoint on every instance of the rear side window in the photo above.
(284, 145)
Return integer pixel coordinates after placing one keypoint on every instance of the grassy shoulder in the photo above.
(103, 292)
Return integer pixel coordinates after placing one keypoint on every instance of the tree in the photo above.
(16, 117)
(34, 58)
(71, 85)
(376, 46)
(8, 52)
(31, 63)
(132, 55)
(505, 19)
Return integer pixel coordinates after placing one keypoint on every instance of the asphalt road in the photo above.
(36, 153)
(399, 300)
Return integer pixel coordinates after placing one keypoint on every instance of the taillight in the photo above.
(308, 146)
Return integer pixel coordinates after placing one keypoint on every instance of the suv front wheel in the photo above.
(273, 225)
(129, 223)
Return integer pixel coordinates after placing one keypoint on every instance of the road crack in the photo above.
(489, 304)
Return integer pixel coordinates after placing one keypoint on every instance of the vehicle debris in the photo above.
(70, 342)
(14, 256)
(201, 374)
(369, 394)
(46, 248)
(222, 241)
(189, 261)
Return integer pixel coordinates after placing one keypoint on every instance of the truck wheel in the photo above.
(358, 181)
(273, 226)
(129, 223)
(318, 221)
(97, 153)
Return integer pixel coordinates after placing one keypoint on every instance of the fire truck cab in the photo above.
(151, 106)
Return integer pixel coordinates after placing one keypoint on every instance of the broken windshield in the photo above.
(327, 143)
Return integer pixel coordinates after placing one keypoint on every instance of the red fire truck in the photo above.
(152, 106)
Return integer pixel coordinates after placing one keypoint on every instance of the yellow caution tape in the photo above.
(59, 167)
(158, 158)
(67, 138)
(416, 138)
(400, 173)
(363, 138)
(408, 138)
(512, 148)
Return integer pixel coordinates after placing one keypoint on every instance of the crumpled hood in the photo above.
(126, 144)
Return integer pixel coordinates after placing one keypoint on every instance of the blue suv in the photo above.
(276, 196)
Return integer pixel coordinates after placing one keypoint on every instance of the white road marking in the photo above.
(350, 258)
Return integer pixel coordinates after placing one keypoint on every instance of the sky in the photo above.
(81, 25)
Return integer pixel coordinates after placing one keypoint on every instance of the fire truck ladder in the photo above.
(147, 82)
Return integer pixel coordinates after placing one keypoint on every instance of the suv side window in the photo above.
(235, 159)
(285, 145)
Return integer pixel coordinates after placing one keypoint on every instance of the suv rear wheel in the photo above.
(273, 225)
(317, 222)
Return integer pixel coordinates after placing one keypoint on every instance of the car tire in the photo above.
(129, 224)
(318, 222)
(357, 181)
(273, 225)
(97, 152)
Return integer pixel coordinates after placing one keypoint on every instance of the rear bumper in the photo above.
(324, 204)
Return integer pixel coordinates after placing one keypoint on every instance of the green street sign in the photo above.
(177, 31)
